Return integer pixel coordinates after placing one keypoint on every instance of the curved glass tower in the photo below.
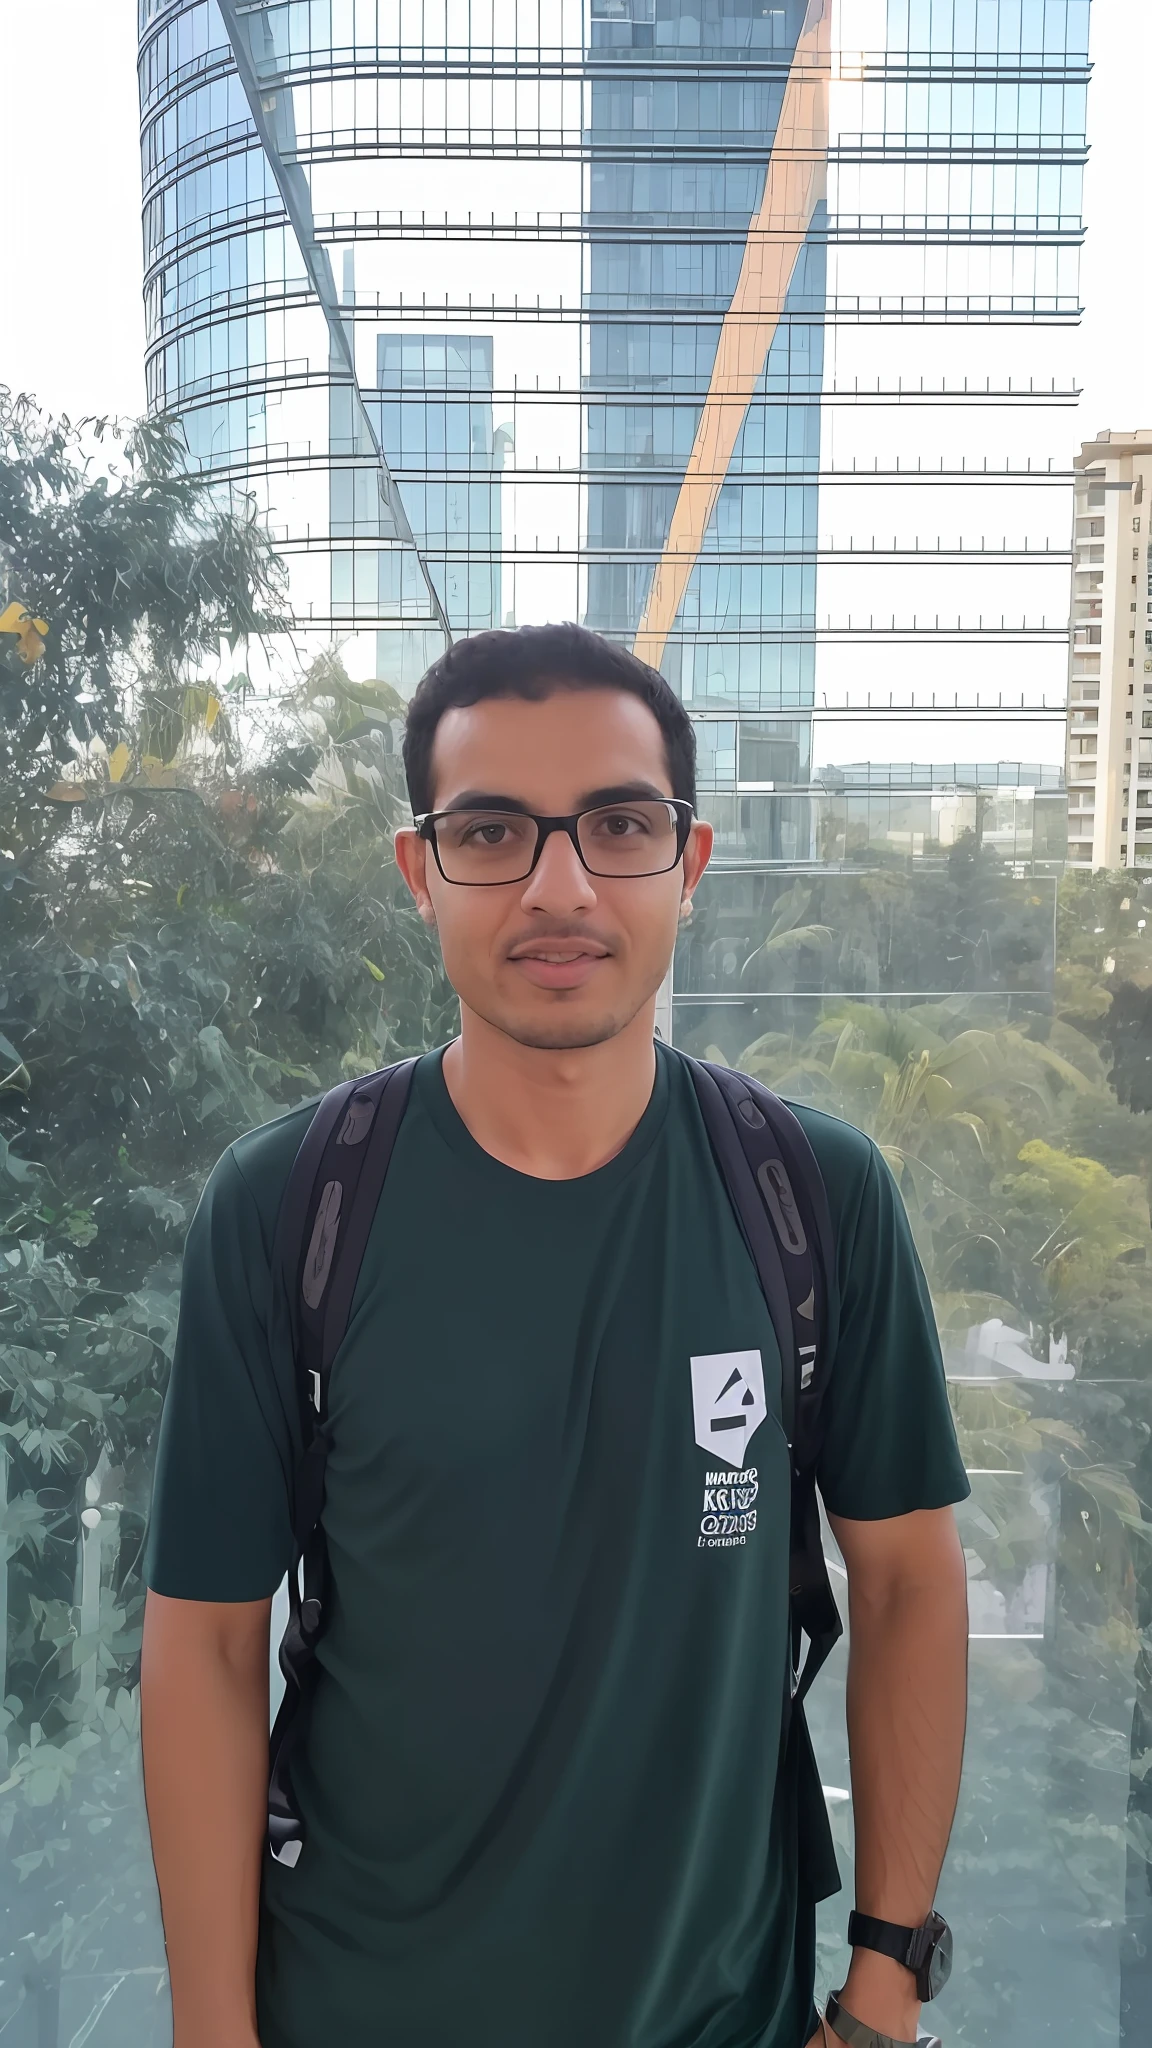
(737, 331)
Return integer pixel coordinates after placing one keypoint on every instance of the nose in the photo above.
(559, 883)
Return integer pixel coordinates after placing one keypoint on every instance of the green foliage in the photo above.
(139, 572)
(208, 930)
(204, 925)
(1008, 1118)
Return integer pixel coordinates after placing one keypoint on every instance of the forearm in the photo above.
(906, 1706)
(205, 1739)
(907, 1683)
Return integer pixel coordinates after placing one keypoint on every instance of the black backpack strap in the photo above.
(326, 1213)
(780, 1200)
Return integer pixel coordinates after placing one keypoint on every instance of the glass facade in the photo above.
(756, 321)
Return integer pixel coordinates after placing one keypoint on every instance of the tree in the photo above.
(137, 572)
(1006, 1116)
(202, 925)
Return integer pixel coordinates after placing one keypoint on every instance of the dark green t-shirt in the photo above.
(541, 1780)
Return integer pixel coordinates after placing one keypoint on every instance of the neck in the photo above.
(554, 1115)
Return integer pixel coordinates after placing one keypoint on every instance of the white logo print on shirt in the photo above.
(728, 1402)
(728, 1407)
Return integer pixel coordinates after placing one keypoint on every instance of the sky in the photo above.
(71, 314)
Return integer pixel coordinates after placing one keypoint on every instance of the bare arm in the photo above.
(907, 1694)
(204, 1695)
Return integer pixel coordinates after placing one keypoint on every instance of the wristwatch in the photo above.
(926, 1950)
(855, 2034)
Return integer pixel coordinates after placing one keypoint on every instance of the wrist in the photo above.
(204, 2029)
(881, 1994)
(244, 2037)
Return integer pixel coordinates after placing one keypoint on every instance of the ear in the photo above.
(697, 854)
(412, 861)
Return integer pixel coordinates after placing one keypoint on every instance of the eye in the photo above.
(486, 832)
(620, 824)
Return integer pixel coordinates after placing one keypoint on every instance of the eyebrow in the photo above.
(618, 793)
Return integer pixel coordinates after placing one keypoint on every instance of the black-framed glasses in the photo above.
(483, 848)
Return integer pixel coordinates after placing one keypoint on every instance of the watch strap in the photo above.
(885, 1936)
(854, 2034)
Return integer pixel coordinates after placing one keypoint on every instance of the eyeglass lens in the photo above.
(500, 846)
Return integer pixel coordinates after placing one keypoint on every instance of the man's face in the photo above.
(565, 958)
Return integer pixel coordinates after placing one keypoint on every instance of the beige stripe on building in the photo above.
(794, 183)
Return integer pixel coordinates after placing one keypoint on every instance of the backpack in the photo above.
(322, 1230)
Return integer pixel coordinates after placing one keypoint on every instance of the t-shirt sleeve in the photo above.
(220, 1526)
(890, 1443)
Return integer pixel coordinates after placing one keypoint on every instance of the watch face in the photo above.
(940, 1959)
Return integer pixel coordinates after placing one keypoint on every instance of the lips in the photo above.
(555, 954)
(559, 966)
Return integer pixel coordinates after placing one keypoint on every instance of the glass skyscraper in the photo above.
(739, 332)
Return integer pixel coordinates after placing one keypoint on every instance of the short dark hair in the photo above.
(532, 662)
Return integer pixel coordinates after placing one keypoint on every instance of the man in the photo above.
(541, 1775)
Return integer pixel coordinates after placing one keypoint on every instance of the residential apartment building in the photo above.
(739, 331)
(1110, 657)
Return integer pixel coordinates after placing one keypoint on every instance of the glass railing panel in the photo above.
(1046, 1882)
(1013, 1122)
(924, 930)
(1021, 827)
